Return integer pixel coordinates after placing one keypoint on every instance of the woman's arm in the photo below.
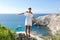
(35, 20)
(20, 14)
(33, 17)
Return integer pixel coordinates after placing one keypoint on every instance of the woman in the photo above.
(28, 20)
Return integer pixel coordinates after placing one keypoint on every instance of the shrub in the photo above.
(6, 34)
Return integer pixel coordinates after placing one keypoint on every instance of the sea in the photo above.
(17, 23)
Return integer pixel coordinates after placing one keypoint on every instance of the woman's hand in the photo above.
(36, 21)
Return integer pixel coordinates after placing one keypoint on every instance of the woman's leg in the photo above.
(28, 31)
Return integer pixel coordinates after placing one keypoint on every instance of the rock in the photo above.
(52, 21)
(22, 36)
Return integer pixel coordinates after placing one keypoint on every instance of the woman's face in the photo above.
(29, 9)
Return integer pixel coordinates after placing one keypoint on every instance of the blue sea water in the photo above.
(16, 23)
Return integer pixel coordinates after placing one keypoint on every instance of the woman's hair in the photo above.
(29, 8)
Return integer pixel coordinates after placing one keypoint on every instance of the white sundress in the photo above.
(28, 19)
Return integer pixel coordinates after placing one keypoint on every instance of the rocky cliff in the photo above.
(52, 21)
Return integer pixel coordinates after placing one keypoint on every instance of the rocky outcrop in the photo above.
(22, 36)
(52, 21)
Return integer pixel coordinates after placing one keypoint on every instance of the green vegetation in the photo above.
(58, 35)
(57, 14)
(6, 34)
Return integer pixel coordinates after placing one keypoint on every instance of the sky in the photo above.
(38, 6)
